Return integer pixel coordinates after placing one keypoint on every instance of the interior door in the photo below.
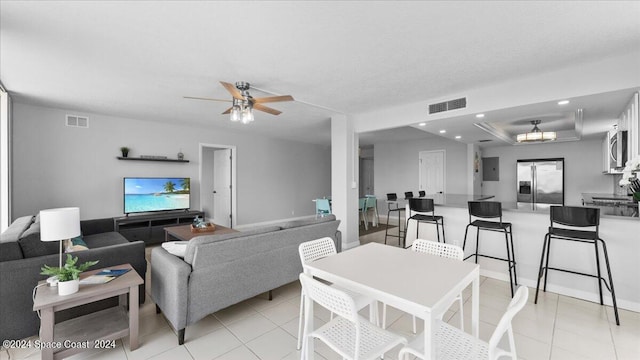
(432, 171)
(222, 187)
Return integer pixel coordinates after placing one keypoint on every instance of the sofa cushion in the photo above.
(10, 251)
(205, 239)
(32, 246)
(104, 239)
(15, 230)
(75, 244)
(309, 221)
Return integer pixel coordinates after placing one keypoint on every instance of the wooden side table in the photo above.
(90, 331)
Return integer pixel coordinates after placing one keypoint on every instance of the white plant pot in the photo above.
(68, 287)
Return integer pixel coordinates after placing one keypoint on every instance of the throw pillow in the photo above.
(75, 244)
(177, 248)
(15, 230)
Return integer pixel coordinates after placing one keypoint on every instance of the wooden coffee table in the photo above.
(183, 232)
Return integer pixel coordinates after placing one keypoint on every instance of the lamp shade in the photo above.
(59, 224)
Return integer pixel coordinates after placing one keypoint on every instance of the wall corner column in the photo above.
(344, 175)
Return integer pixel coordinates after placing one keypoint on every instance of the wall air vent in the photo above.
(448, 105)
(77, 121)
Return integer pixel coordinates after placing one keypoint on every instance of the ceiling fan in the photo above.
(244, 103)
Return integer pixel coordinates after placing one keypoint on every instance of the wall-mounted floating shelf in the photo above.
(151, 159)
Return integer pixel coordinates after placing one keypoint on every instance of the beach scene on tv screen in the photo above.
(155, 194)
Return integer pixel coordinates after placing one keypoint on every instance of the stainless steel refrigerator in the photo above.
(540, 183)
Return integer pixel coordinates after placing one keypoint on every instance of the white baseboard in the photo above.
(562, 290)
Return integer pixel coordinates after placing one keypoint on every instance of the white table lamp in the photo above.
(59, 224)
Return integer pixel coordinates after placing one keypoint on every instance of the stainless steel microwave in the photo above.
(617, 150)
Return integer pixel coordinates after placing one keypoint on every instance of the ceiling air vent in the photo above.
(485, 140)
(448, 105)
(77, 121)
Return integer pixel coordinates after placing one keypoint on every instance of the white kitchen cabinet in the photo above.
(629, 121)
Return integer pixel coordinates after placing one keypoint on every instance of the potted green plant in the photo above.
(125, 151)
(68, 275)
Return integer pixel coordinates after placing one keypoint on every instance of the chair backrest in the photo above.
(408, 194)
(361, 203)
(444, 250)
(336, 301)
(316, 249)
(421, 205)
(392, 197)
(323, 205)
(504, 325)
(575, 216)
(485, 209)
(422, 193)
(371, 201)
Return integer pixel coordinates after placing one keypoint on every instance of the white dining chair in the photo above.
(318, 249)
(444, 250)
(455, 344)
(348, 334)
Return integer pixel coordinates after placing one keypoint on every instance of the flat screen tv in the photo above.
(146, 194)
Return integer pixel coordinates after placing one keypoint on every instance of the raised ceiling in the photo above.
(138, 59)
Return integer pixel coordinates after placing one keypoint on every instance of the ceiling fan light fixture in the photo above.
(247, 114)
(235, 113)
(536, 135)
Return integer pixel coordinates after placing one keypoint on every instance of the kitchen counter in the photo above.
(612, 204)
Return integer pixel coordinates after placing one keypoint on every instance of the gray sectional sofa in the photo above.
(22, 254)
(221, 270)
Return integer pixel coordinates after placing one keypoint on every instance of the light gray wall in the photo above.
(57, 166)
(396, 166)
(582, 168)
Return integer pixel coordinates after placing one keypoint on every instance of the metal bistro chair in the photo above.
(576, 217)
(362, 208)
(392, 199)
(348, 334)
(424, 206)
(455, 344)
(492, 210)
(422, 193)
(448, 251)
(323, 207)
(371, 202)
(318, 249)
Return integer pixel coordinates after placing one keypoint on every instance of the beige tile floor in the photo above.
(558, 327)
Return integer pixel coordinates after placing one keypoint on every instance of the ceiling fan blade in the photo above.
(201, 98)
(232, 89)
(273, 99)
(266, 109)
(228, 111)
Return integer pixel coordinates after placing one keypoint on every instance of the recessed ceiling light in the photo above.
(422, 124)
(479, 116)
(563, 102)
(443, 131)
(458, 137)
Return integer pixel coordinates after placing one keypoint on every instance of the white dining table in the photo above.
(420, 284)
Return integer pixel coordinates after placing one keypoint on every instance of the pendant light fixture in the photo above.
(536, 135)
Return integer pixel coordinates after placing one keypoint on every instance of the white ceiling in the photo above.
(138, 59)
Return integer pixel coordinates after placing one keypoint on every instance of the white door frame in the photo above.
(444, 168)
(202, 146)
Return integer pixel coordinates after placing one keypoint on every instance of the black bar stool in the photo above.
(576, 217)
(422, 193)
(408, 195)
(492, 210)
(392, 199)
(424, 206)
